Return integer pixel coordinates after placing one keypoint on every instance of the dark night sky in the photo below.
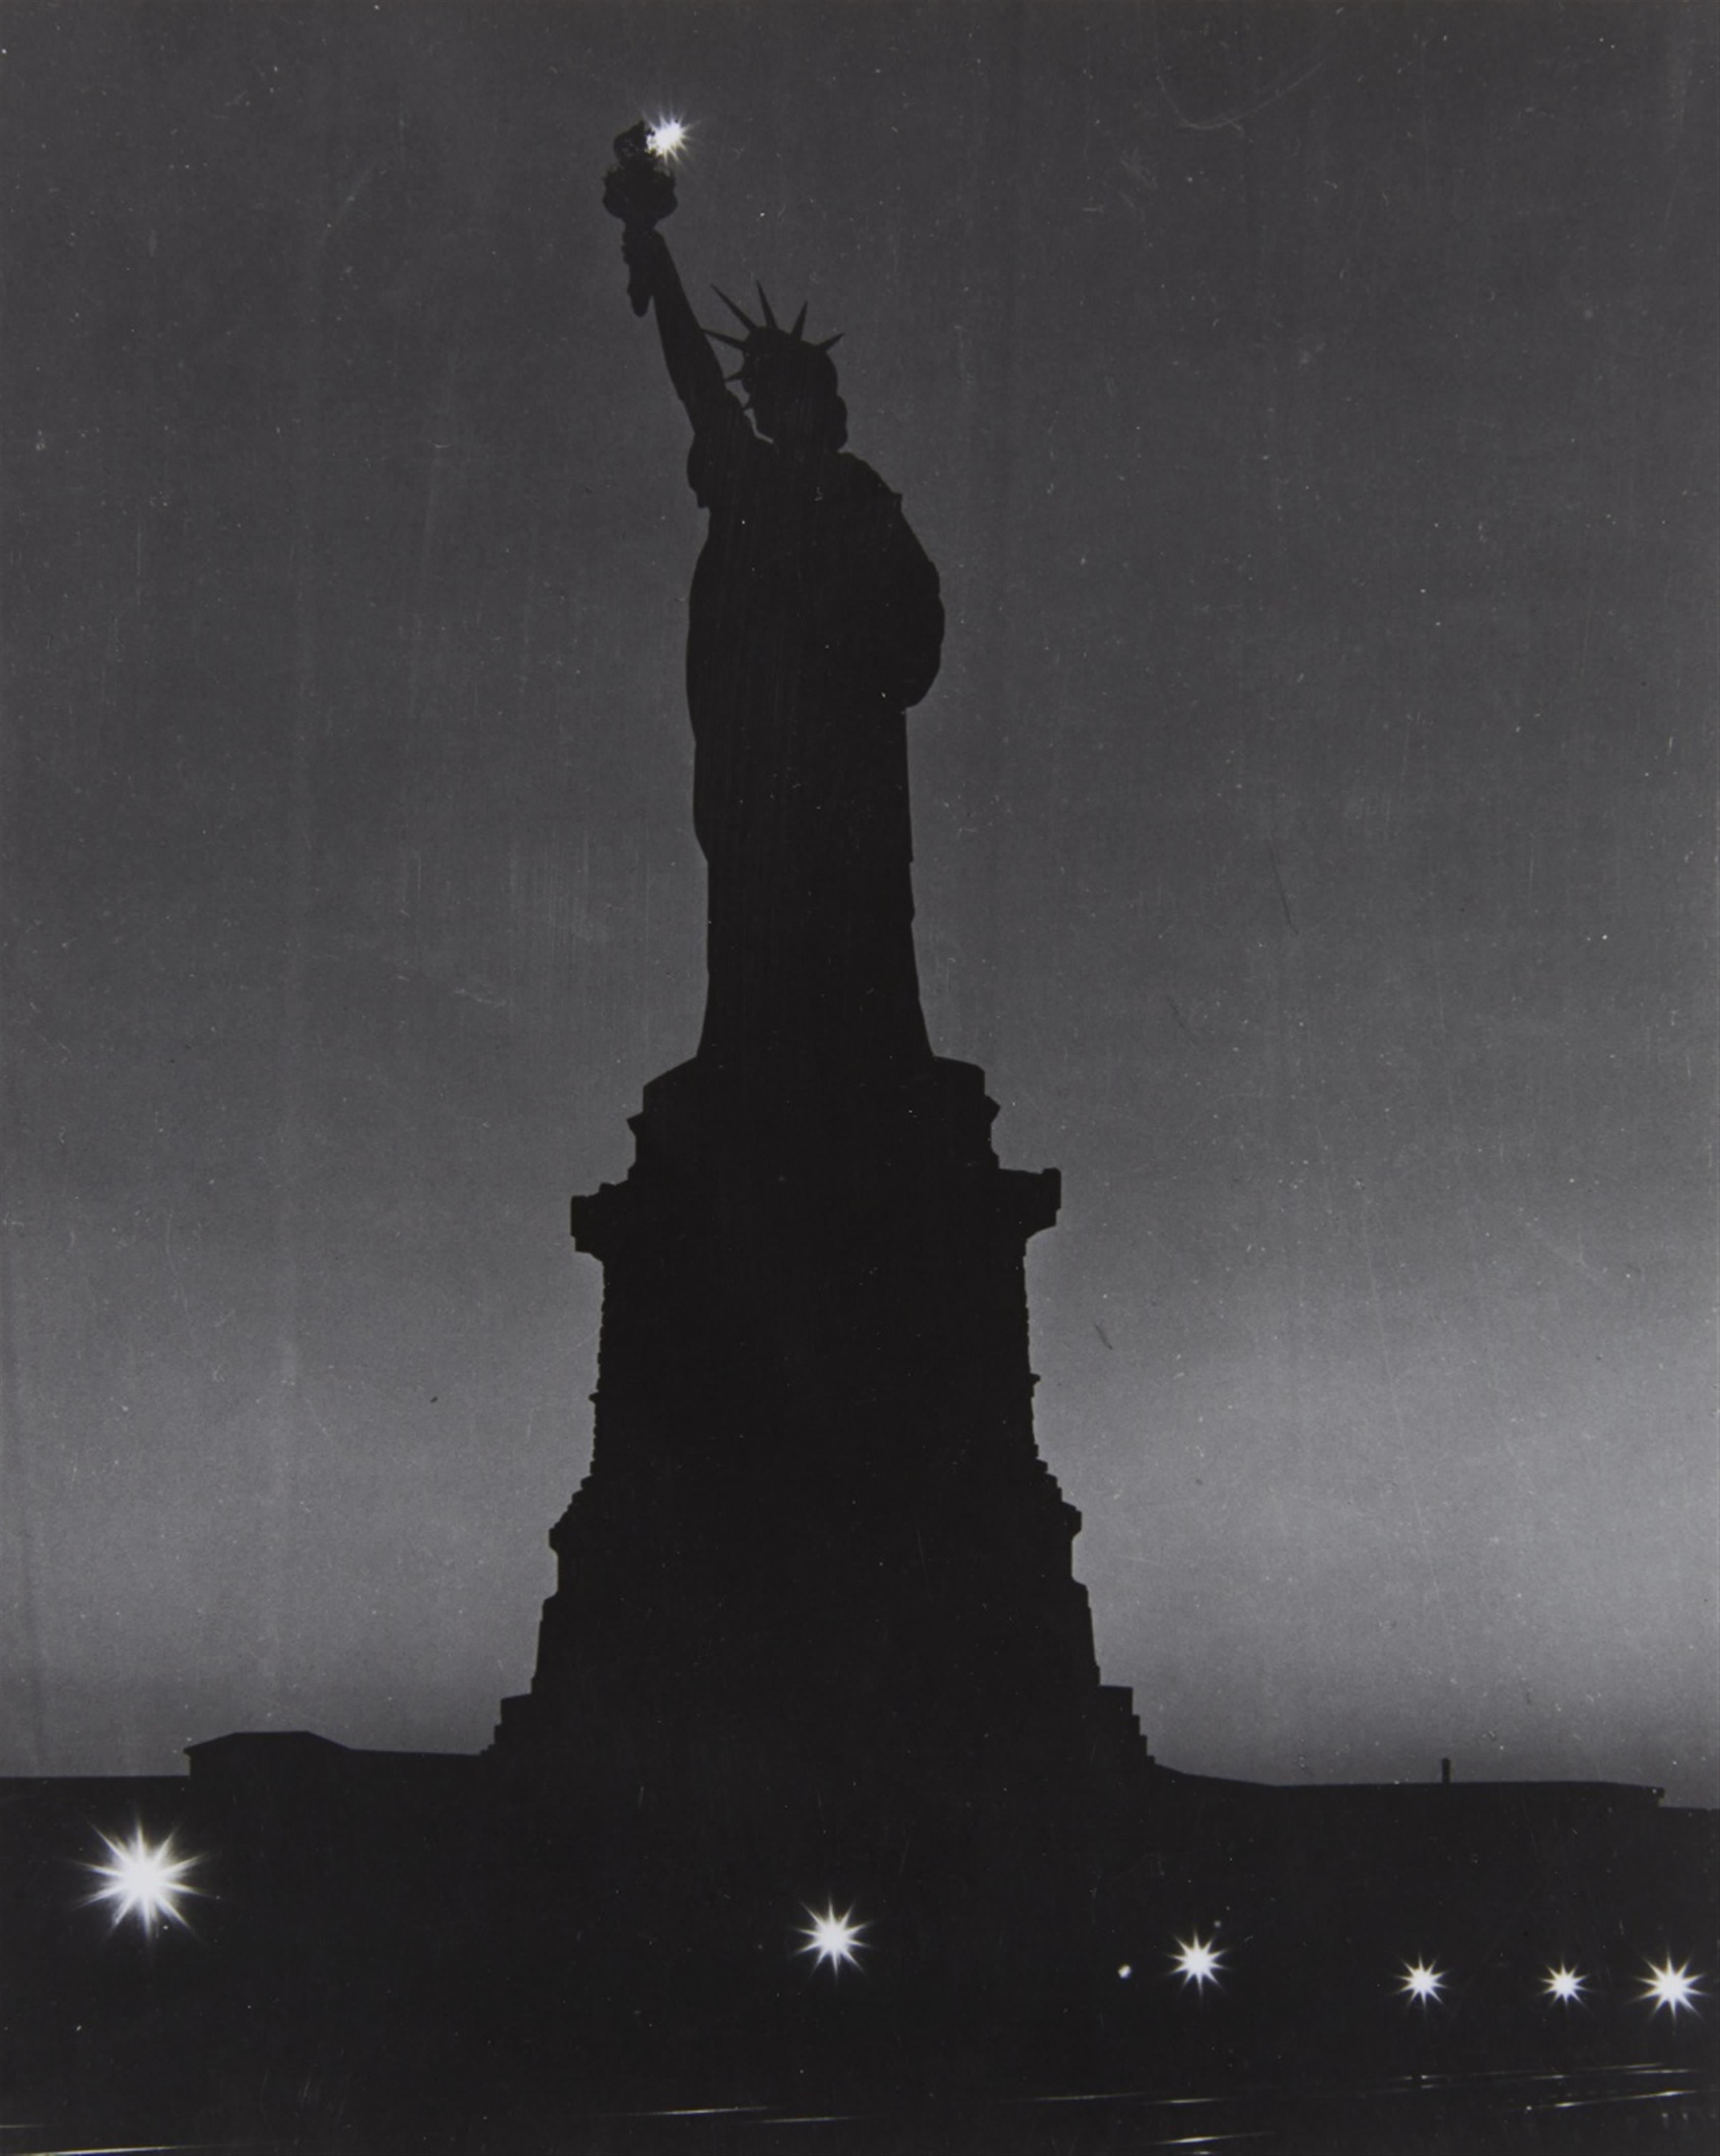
(1311, 412)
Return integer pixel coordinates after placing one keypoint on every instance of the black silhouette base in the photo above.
(816, 1650)
(816, 1620)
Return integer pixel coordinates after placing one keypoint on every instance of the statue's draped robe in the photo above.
(815, 622)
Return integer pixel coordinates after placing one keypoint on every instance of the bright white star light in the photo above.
(668, 138)
(832, 1938)
(1563, 1984)
(1198, 1962)
(1675, 1988)
(1420, 1981)
(145, 1880)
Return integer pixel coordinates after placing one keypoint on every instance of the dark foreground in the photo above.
(1615, 2109)
(1611, 2109)
(374, 1958)
(1602, 2111)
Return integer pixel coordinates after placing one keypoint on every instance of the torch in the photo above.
(639, 189)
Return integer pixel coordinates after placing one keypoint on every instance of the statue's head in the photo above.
(790, 384)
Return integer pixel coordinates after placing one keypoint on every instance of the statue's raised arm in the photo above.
(639, 189)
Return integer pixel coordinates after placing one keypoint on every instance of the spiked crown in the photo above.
(769, 350)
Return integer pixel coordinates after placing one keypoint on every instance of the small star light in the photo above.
(145, 1880)
(833, 1938)
(1198, 1962)
(1675, 1988)
(1563, 1984)
(668, 138)
(1421, 1982)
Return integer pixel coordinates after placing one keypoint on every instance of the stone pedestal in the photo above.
(816, 1630)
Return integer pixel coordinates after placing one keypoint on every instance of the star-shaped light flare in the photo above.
(1675, 1988)
(833, 1938)
(667, 137)
(1421, 1981)
(145, 1880)
(1564, 1985)
(1197, 1961)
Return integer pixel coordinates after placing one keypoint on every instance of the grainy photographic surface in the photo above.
(1311, 413)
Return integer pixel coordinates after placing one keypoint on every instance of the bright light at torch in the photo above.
(145, 1880)
(667, 138)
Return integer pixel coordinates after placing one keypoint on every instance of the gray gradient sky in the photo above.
(1311, 412)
